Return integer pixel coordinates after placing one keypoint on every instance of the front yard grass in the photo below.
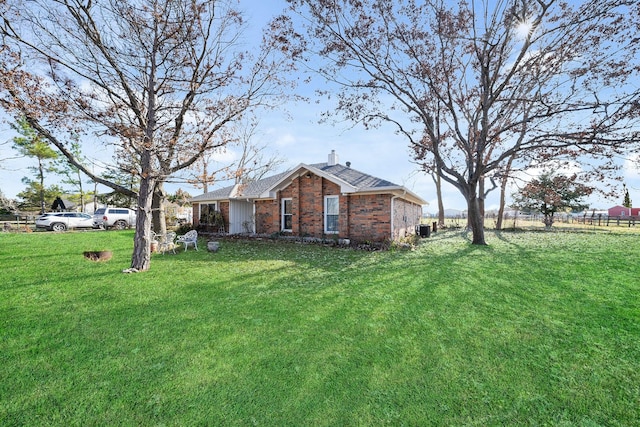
(534, 329)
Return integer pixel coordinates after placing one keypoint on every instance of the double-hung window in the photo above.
(287, 215)
(331, 211)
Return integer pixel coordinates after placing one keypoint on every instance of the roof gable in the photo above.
(302, 169)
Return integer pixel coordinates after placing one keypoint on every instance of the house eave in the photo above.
(398, 191)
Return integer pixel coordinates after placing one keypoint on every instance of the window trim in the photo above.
(283, 214)
(327, 214)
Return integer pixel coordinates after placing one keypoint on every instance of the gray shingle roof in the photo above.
(222, 193)
(353, 177)
(251, 190)
(356, 179)
(256, 188)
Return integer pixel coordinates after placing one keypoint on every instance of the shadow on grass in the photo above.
(291, 334)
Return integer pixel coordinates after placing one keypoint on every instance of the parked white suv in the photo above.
(118, 218)
(61, 221)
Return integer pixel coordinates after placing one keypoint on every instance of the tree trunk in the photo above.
(43, 206)
(503, 190)
(476, 220)
(158, 212)
(481, 198)
(81, 192)
(95, 196)
(141, 258)
(440, 202)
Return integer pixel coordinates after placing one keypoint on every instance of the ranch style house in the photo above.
(326, 200)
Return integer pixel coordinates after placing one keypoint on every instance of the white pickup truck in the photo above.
(118, 218)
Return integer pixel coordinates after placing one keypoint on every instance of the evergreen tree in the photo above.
(30, 144)
(36, 196)
(72, 176)
(627, 200)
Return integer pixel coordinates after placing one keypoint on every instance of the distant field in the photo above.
(538, 328)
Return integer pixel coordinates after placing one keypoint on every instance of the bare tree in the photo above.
(534, 79)
(158, 79)
(252, 162)
(205, 172)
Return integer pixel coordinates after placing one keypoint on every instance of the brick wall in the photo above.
(362, 217)
(267, 216)
(369, 217)
(406, 216)
(311, 197)
(307, 198)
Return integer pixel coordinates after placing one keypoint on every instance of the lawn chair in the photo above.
(191, 238)
(167, 243)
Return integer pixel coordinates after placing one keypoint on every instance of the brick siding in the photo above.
(362, 217)
(406, 216)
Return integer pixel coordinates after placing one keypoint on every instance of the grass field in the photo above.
(534, 329)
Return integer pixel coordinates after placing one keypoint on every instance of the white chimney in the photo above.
(333, 158)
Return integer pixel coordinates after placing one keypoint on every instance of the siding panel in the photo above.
(241, 217)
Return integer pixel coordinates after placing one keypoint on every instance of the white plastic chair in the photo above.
(191, 238)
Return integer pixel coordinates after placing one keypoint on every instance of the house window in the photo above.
(331, 210)
(208, 213)
(287, 215)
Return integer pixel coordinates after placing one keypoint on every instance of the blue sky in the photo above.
(301, 139)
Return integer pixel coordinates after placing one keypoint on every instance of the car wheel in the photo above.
(120, 225)
(58, 226)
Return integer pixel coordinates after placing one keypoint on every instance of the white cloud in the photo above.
(285, 140)
(631, 167)
(225, 156)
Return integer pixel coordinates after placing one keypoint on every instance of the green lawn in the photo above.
(534, 329)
